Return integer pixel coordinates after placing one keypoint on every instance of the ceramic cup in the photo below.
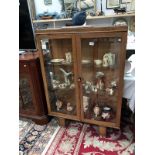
(98, 62)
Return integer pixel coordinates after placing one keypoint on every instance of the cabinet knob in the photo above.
(79, 79)
(25, 65)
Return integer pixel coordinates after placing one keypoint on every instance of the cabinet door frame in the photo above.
(101, 34)
(59, 36)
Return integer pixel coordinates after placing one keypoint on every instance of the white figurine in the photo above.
(69, 107)
(108, 59)
(68, 57)
(110, 91)
(59, 104)
(96, 110)
(99, 74)
(85, 103)
(105, 60)
(66, 76)
(113, 83)
(111, 59)
(105, 115)
(51, 75)
(100, 84)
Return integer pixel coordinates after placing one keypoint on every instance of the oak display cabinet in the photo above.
(83, 73)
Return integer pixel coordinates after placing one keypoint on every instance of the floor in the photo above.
(36, 140)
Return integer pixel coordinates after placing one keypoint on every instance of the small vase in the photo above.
(106, 113)
(96, 110)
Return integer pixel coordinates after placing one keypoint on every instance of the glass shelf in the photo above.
(60, 64)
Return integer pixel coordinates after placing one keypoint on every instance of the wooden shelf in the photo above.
(112, 16)
(51, 20)
(88, 18)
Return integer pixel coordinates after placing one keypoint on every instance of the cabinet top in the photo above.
(84, 29)
(29, 56)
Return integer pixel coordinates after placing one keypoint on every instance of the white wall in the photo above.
(41, 7)
(106, 11)
(56, 6)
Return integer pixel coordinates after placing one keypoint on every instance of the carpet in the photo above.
(76, 138)
(83, 139)
(34, 138)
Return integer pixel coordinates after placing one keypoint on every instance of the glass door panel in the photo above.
(59, 68)
(100, 77)
(25, 100)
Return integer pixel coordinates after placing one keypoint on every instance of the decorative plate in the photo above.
(86, 61)
(57, 60)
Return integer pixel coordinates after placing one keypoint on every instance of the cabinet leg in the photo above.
(62, 122)
(102, 131)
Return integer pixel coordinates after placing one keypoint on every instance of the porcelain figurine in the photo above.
(62, 86)
(68, 57)
(100, 84)
(108, 59)
(59, 104)
(96, 110)
(55, 83)
(88, 87)
(113, 83)
(94, 88)
(99, 74)
(51, 75)
(110, 91)
(69, 107)
(106, 114)
(105, 60)
(111, 59)
(66, 75)
(85, 103)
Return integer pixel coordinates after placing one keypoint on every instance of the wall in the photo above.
(106, 11)
(41, 7)
(56, 6)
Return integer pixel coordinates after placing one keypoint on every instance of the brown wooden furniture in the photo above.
(77, 86)
(32, 102)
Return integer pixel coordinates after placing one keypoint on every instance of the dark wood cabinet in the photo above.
(32, 102)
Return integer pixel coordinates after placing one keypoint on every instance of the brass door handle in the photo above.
(79, 79)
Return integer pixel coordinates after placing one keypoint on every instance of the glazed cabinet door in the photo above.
(60, 75)
(101, 57)
(26, 95)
